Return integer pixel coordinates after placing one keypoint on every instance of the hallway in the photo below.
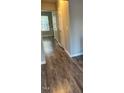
(61, 73)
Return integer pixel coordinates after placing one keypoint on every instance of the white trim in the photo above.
(67, 52)
(71, 55)
(77, 54)
(63, 47)
(43, 62)
(58, 42)
(47, 35)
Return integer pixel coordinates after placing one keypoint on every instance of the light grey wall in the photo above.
(76, 29)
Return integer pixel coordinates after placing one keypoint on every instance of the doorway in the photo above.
(46, 24)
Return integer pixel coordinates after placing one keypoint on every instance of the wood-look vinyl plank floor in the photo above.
(60, 74)
(43, 79)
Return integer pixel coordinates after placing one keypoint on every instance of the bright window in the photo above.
(44, 23)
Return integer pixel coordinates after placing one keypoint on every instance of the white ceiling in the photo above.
(51, 1)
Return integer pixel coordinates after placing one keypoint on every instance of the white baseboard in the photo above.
(77, 54)
(71, 55)
(43, 62)
(63, 47)
(47, 35)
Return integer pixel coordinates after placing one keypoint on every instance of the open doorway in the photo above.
(48, 30)
(46, 24)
